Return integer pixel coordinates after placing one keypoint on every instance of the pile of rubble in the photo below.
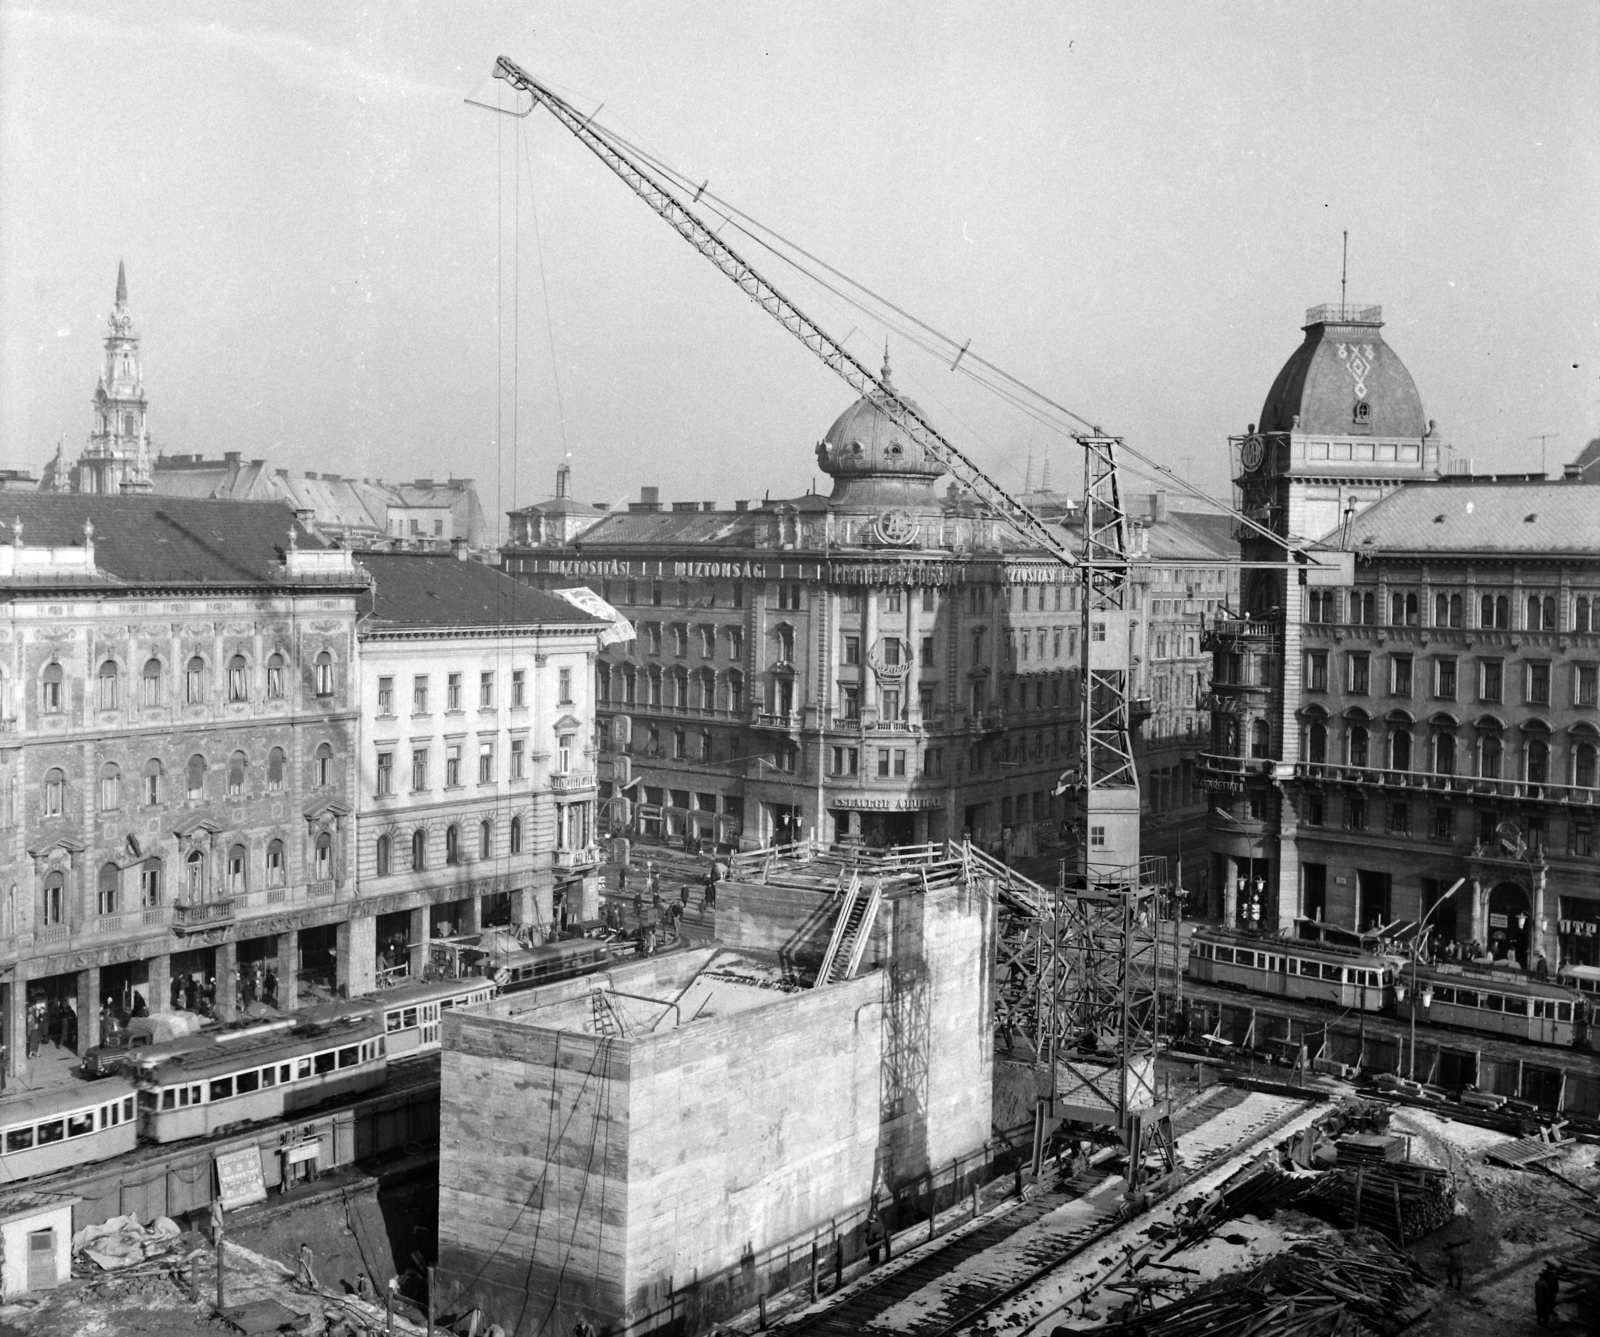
(124, 1246)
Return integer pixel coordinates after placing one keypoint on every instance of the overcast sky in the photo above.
(1127, 206)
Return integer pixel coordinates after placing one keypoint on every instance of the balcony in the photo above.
(783, 723)
(572, 782)
(577, 860)
(189, 917)
(1522, 791)
(1227, 775)
(1233, 633)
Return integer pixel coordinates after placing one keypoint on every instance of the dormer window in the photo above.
(1363, 411)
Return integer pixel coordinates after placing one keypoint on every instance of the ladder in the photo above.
(851, 932)
(607, 1024)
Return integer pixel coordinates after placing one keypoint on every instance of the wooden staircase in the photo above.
(851, 931)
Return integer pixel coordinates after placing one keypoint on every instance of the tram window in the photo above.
(127, 1107)
(248, 1082)
(303, 1069)
(80, 1125)
(169, 1098)
(449, 1003)
(19, 1139)
(1332, 972)
(410, 1020)
(1294, 965)
(269, 1075)
(324, 1062)
(107, 1113)
(1443, 993)
(1489, 1002)
(53, 1131)
(183, 1097)
(1563, 1011)
(391, 1022)
(1224, 954)
(221, 1088)
(348, 1058)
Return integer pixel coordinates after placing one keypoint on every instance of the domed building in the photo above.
(1417, 709)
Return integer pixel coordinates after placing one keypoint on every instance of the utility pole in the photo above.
(1542, 438)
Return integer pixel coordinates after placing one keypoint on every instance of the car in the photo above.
(108, 1056)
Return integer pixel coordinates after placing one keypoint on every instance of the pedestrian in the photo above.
(638, 907)
(1544, 1295)
(306, 1276)
(874, 1235)
(683, 895)
(140, 1008)
(654, 880)
(1453, 1272)
(655, 907)
(364, 1289)
(711, 894)
(1541, 967)
(35, 1031)
(247, 989)
(269, 987)
(622, 879)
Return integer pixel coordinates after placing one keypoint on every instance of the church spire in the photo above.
(122, 285)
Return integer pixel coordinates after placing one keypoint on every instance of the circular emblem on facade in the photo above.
(896, 526)
(1252, 453)
(886, 660)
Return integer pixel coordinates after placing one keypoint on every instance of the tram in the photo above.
(66, 1126)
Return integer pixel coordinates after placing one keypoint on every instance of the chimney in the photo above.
(601, 505)
(305, 515)
(686, 506)
(1572, 472)
(282, 473)
(423, 482)
(708, 505)
(310, 474)
(458, 548)
(741, 505)
(563, 473)
(232, 456)
(256, 464)
(1158, 506)
(649, 500)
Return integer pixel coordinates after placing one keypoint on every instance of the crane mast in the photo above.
(1105, 986)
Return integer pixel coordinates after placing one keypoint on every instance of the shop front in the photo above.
(1578, 931)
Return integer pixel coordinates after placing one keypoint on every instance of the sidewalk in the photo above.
(51, 1069)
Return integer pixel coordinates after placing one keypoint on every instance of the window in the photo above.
(1400, 751)
(852, 649)
(195, 777)
(1355, 812)
(784, 756)
(106, 890)
(452, 692)
(236, 765)
(1317, 742)
(900, 761)
(194, 876)
(276, 762)
(519, 758)
(516, 835)
(275, 666)
(385, 772)
(1489, 753)
(50, 688)
(485, 763)
(1444, 823)
(1444, 754)
(1358, 746)
(386, 696)
(276, 872)
(785, 637)
(194, 681)
(236, 868)
(1400, 675)
(238, 679)
(1360, 671)
(452, 766)
(1586, 684)
(1580, 613)
(452, 844)
(323, 674)
(519, 687)
(419, 769)
(485, 691)
(419, 849)
(151, 680)
(323, 858)
(680, 640)
(1444, 671)
(735, 643)
(564, 686)
(106, 687)
(1402, 610)
(150, 786)
(708, 642)
(54, 898)
(679, 745)
(1317, 670)
(1539, 684)
(1495, 611)
(419, 694)
(322, 765)
(150, 883)
(1490, 676)
(110, 787)
(383, 855)
(846, 761)
(1314, 814)
(485, 839)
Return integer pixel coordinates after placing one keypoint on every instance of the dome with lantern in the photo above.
(865, 443)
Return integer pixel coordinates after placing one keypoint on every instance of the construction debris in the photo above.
(122, 1243)
(1404, 1202)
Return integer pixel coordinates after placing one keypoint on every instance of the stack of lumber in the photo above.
(1370, 1148)
(1403, 1202)
(1580, 1276)
(1360, 1283)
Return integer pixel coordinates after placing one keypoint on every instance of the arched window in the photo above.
(1412, 613)
(1583, 765)
(275, 666)
(1502, 612)
(236, 768)
(1400, 751)
(419, 849)
(1317, 742)
(705, 745)
(735, 691)
(630, 685)
(110, 787)
(152, 682)
(383, 856)
(106, 889)
(602, 681)
(277, 873)
(236, 870)
(1549, 612)
(323, 765)
(1486, 611)
(275, 764)
(485, 839)
(194, 681)
(238, 679)
(55, 792)
(194, 877)
(108, 695)
(150, 883)
(1260, 739)
(324, 674)
(1580, 613)
(1538, 761)
(1444, 754)
(1489, 758)
(195, 777)
(1533, 623)
(1397, 610)
(1441, 609)
(655, 685)
(50, 687)
(150, 785)
(1358, 746)
(324, 857)
(1455, 610)
(516, 835)
(53, 906)
(452, 844)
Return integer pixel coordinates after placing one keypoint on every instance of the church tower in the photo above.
(118, 455)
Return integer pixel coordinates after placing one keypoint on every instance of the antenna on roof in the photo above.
(1344, 272)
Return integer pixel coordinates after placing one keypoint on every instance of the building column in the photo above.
(1542, 943)
(911, 684)
(588, 897)
(89, 1001)
(357, 949)
(16, 1026)
(869, 635)
(417, 936)
(227, 976)
(1289, 889)
(471, 917)
(1230, 892)
(1478, 911)
(158, 985)
(288, 970)
(542, 896)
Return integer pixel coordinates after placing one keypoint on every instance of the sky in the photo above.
(341, 265)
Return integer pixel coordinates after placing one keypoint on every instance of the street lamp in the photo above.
(1425, 994)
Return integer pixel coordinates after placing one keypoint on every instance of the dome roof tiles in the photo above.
(1339, 367)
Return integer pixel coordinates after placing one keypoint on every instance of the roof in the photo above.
(414, 589)
(676, 529)
(1587, 465)
(1483, 518)
(1339, 365)
(152, 540)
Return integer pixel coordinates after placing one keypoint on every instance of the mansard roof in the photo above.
(429, 590)
(1487, 518)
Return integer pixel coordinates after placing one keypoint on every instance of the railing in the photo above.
(584, 858)
(205, 912)
(1342, 313)
(1495, 786)
(763, 719)
(1226, 629)
(571, 782)
(323, 888)
(1226, 774)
